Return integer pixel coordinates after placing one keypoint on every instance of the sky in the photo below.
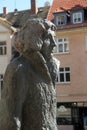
(20, 4)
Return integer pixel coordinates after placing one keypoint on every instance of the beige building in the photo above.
(6, 31)
(74, 62)
(72, 78)
(70, 17)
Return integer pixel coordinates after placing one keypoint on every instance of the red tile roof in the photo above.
(64, 5)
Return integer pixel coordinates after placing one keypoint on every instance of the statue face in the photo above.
(48, 44)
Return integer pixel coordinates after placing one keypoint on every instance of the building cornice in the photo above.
(72, 30)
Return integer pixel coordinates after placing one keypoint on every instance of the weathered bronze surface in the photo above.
(29, 95)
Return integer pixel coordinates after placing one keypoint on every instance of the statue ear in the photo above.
(48, 24)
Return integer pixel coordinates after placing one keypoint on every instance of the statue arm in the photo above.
(7, 81)
(7, 101)
(14, 84)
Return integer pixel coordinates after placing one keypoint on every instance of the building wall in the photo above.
(5, 35)
(5, 59)
(76, 59)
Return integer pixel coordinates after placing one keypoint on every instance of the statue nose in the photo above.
(53, 43)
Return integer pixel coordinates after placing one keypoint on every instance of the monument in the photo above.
(29, 94)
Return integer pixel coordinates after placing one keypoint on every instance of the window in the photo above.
(77, 17)
(62, 46)
(1, 82)
(61, 19)
(64, 75)
(3, 48)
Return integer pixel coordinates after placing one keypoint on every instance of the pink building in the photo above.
(70, 17)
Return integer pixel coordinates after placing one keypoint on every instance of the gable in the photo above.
(3, 28)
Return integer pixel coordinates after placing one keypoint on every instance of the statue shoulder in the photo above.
(12, 66)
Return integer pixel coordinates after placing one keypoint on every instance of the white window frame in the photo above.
(60, 20)
(3, 48)
(62, 46)
(77, 17)
(64, 73)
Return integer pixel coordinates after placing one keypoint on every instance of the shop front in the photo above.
(72, 115)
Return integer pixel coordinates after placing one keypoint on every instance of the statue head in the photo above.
(35, 35)
(48, 40)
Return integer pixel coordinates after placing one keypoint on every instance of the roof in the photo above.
(7, 24)
(18, 18)
(65, 5)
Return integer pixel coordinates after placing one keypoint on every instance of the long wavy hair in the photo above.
(30, 36)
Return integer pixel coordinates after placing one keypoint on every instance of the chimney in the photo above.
(34, 8)
(5, 10)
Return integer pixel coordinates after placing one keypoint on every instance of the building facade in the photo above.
(6, 31)
(70, 17)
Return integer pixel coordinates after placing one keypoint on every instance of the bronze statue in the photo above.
(29, 82)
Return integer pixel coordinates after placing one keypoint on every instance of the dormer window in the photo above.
(60, 19)
(77, 17)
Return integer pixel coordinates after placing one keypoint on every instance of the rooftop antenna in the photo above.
(15, 10)
(15, 6)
